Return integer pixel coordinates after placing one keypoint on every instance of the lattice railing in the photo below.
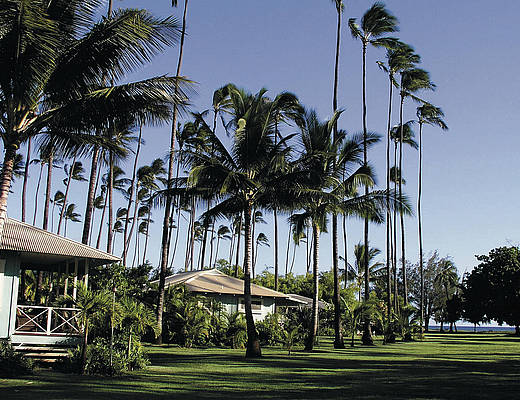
(42, 320)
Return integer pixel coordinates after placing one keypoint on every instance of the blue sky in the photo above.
(471, 51)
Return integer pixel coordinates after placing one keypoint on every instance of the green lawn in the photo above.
(441, 367)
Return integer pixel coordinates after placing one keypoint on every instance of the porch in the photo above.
(27, 248)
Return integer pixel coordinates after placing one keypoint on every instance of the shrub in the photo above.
(271, 330)
(11, 363)
(236, 334)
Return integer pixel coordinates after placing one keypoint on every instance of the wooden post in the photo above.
(66, 289)
(75, 288)
(85, 277)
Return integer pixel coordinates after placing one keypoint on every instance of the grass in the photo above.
(448, 366)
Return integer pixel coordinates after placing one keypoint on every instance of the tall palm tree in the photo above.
(338, 337)
(399, 58)
(375, 23)
(165, 240)
(54, 58)
(427, 114)
(412, 81)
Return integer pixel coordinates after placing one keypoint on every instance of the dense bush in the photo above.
(99, 358)
(12, 363)
(271, 330)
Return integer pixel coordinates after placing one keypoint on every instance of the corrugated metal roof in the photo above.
(214, 281)
(27, 239)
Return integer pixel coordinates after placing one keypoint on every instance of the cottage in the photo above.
(230, 292)
(23, 246)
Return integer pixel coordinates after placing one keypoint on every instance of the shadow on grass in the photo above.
(398, 371)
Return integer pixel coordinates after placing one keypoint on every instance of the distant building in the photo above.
(230, 292)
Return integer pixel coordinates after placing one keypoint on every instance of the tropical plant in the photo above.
(91, 305)
(70, 214)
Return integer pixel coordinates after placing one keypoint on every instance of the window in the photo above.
(256, 305)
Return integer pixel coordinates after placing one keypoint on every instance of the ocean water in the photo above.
(470, 328)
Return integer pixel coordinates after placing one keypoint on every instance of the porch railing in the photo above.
(51, 321)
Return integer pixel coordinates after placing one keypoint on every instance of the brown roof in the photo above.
(39, 247)
(214, 281)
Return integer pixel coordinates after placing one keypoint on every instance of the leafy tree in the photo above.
(498, 278)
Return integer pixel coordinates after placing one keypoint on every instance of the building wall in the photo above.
(9, 279)
(233, 304)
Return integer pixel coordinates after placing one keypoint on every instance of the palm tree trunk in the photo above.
(147, 232)
(401, 215)
(69, 180)
(36, 194)
(315, 260)
(253, 250)
(396, 292)
(26, 177)
(5, 182)
(253, 344)
(48, 190)
(192, 238)
(134, 219)
(92, 185)
(110, 232)
(176, 241)
(212, 237)
(84, 348)
(276, 271)
(287, 252)
(367, 334)
(338, 336)
(345, 252)
(98, 243)
(167, 209)
(216, 251)
(131, 197)
(388, 253)
(98, 175)
(238, 245)
(419, 219)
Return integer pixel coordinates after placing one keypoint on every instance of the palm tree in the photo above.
(261, 240)
(447, 277)
(430, 115)
(412, 81)
(68, 55)
(73, 172)
(131, 193)
(222, 234)
(245, 177)
(319, 173)
(402, 134)
(70, 214)
(400, 58)
(376, 269)
(136, 318)
(90, 305)
(376, 22)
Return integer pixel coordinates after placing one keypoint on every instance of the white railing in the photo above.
(40, 320)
